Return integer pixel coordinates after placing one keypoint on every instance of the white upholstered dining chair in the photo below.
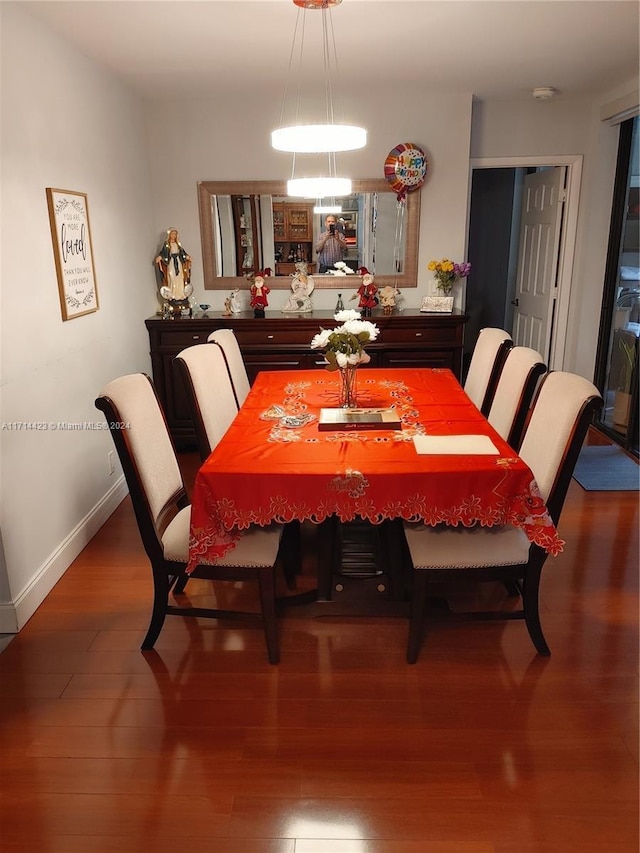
(228, 343)
(503, 553)
(209, 392)
(521, 372)
(486, 363)
(162, 511)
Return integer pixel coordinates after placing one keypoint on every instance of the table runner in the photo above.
(262, 471)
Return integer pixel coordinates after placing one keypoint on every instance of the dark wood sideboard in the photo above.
(281, 342)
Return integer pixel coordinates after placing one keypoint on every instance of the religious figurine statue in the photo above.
(227, 307)
(388, 298)
(367, 292)
(302, 286)
(174, 265)
(259, 291)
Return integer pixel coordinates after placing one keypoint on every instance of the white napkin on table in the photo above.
(467, 445)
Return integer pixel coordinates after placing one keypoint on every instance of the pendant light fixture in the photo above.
(314, 137)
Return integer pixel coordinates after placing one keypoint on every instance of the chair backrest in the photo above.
(227, 341)
(209, 393)
(514, 392)
(147, 455)
(488, 357)
(563, 409)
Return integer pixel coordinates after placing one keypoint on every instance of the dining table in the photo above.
(445, 465)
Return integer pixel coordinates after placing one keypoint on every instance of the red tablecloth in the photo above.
(262, 472)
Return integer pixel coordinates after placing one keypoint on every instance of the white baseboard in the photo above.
(28, 601)
(8, 618)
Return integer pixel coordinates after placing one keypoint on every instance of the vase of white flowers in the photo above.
(344, 351)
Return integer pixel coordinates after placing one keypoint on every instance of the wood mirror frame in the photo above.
(212, 281)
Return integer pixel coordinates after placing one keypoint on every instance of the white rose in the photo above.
(348, 314)
(354, 358)
(371, 328)
(320, 340)
(341, 359)
(365, 358)
(353, 327)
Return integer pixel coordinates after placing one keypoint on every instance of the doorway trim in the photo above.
(567, 239)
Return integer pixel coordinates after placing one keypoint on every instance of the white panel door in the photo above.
(536, 289)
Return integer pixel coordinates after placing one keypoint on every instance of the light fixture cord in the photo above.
(328, 88)
(300, 24)
(290, 67)
(330, 61)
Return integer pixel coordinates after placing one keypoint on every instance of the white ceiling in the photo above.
(490, 48)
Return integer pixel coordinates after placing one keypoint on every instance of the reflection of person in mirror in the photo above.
(302, 286)
(331, 246)
(367, 292)
(175, 267)
(259, 291)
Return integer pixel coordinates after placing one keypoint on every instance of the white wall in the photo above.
(70, 125)
(228, 138)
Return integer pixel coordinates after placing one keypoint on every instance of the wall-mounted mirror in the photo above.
(250, 225)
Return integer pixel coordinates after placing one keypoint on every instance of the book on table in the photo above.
(343, 419)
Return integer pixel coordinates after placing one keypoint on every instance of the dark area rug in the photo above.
(605, 468)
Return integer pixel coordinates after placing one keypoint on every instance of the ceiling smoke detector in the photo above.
(543, 93)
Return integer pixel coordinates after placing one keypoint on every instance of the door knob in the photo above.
(515, 302)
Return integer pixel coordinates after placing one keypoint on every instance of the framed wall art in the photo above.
(73, 252)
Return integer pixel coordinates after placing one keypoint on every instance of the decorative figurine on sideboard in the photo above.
(302, 286)
(389, 296)
(259, 291)
(174, 265)
(367, 292)
(232, 303)
(236, 301)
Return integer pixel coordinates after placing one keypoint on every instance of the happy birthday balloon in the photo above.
(405, 168)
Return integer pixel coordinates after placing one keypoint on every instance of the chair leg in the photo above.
(266, 578)
(290, 552)
(181, 583)
(159, 612)
(416, 616)
(329, 546)
(396, 559)
(531, 613)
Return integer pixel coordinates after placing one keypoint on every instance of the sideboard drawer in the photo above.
(417, 334)
(179, 338)
(270, 337)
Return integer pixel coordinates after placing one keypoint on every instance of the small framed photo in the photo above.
(437, 305)
(73, 252)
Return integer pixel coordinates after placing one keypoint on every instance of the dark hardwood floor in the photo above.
(482, 747)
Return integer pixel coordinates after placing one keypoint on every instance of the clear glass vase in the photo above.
(348, 386)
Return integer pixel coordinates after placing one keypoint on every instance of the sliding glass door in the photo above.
(617, 361)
